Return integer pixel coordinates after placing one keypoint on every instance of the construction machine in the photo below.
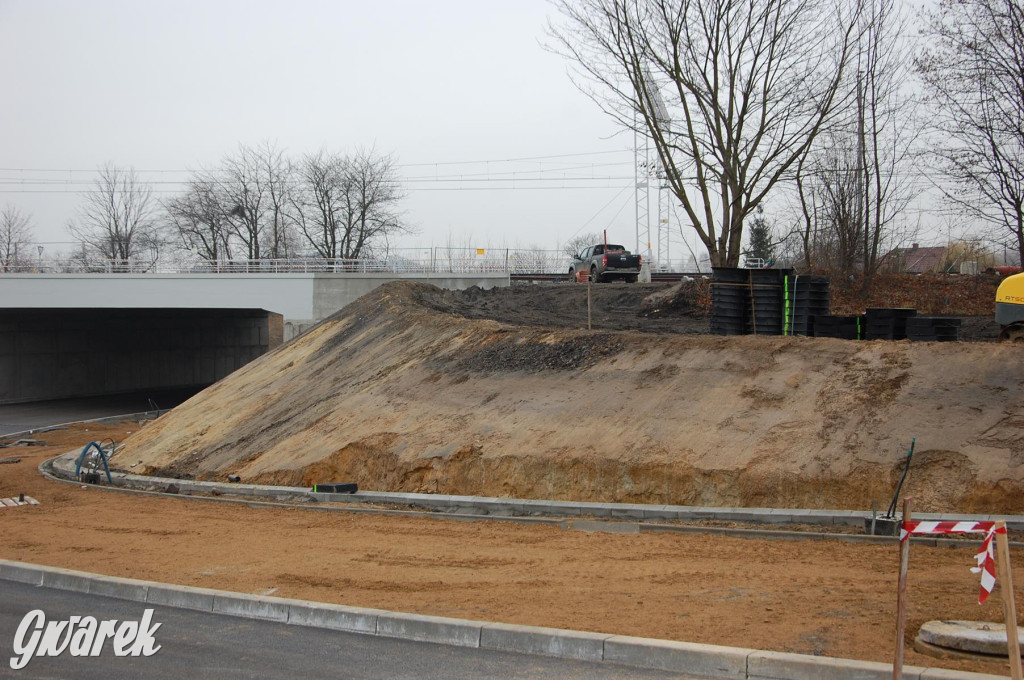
(1010, 308)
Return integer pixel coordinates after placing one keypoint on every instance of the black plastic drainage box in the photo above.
(335, 487)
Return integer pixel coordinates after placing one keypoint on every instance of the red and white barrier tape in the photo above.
(986, 557)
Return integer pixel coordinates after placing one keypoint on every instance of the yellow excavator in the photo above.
(1010, 308)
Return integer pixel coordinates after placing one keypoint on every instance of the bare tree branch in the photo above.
(749, 84)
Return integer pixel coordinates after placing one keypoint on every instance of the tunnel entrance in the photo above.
(59, 353)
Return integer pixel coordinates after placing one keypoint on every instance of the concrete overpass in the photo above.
(69, 335)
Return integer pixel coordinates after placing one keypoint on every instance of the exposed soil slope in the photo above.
(401, 391)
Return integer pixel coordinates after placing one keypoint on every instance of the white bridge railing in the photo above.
(420, 261)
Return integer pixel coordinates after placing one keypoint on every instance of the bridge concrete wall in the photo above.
(69, 335)
(301, 299)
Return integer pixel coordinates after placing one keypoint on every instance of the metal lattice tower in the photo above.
(656, 173)
(664, 231)
(642, 191)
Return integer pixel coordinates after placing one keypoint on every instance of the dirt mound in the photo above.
(406, 390)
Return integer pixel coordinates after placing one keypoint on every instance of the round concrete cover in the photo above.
(968, 636)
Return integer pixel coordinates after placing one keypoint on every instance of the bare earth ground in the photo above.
(812, 597)
(412, 388)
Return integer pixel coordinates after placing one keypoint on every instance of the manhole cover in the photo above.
(974, 637)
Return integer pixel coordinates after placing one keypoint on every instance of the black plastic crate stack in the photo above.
(808, 297)
(765, 316)
(933, 329)
(746, 301)
(845, 327)
(728, 301)
(887, 323)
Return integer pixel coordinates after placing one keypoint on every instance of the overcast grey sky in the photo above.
(453, 88)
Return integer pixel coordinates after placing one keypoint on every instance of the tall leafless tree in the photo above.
(973, 68)
(372, 195)
(832, 202)
(253, 184)
(15, 238)
(748, 85)
(347, 205)
(199, 220)
(117, 219)
(887, 131)
(319, 203)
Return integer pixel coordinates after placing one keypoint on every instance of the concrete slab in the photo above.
(182, 597)
(946, 674)
(333, 617)
(251, 607)
(445, 631)
(660, 512)
(604, 527)
(121, 588)
(20, 573)
(628, 511)
(712, 661)
(567, 644)
(65, 579)
(783, 666)
(596, 509)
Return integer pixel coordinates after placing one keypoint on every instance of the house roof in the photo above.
(917, 260)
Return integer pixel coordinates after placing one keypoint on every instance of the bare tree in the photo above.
(347, 205)
(749, 84)
(574, 245)
(973, 69)
(887, 131)
(856, 183)
(831, 197)
(371, 199)
(199, 220)
(252, 185)
(15, 238)
(117, 219)
(319, 203)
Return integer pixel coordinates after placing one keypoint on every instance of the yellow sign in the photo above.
(480, 251)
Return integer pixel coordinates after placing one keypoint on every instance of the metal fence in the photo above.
(409, 261)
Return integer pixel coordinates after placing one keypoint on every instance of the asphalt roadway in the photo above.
(21, 417)
(199, 645)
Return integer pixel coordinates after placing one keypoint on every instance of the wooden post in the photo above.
(901, 598)
(588, 302)
(1009, 608)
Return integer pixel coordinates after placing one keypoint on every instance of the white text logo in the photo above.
(82, 636)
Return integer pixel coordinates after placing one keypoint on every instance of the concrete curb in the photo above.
(709, 661)
(63, 466)
(138, 415)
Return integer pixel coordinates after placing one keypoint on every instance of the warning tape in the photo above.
(985, 557)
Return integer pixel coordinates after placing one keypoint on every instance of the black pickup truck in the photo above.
(605, 262)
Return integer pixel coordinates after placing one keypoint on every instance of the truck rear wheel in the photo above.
(594, 276)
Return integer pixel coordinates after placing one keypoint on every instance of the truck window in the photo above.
(599, 250)
(615, 249)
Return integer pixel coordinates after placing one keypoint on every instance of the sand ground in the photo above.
(811, 597)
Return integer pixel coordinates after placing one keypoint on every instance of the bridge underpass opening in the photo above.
(60, 353)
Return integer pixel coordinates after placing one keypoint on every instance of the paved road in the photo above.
(19, 417)
(196, 645)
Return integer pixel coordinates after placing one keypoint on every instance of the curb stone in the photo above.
(521, 509)
(710, 661)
